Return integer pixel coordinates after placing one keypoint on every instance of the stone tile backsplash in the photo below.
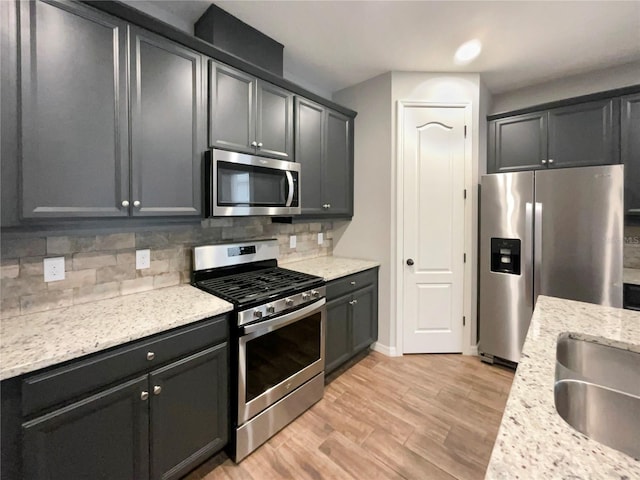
(104, 266)
(632, 247)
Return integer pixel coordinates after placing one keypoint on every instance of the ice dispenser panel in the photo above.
(505, 255)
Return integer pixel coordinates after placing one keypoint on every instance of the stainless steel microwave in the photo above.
(241, 185)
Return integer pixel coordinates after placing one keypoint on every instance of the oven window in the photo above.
(246, 185)
(277, 355)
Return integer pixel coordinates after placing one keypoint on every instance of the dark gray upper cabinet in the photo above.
(249, 115)
(573, 136)
(188, 412)
(338, 165)
(168, 134)
(310, 136)
(103, 436)
(630, 152)
(584, 134)
(518, 143)
(74, 140)
(101, 138)
(324, 149)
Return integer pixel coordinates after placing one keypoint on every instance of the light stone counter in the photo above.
(534, 442)
(632, 275)
(38, 340)
(331, 267)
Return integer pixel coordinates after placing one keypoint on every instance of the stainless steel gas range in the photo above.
(277, 337)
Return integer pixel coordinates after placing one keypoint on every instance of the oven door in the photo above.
(248, 185)
(277, 356)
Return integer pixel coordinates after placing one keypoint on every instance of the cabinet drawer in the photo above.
(344, 285)
(82, 376)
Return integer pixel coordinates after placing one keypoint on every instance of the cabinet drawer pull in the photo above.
(157, 389)
(144, 395)
(151, 356)
(136, 203)
(550, 161)
(254, 144)
(544, 162)
(125, 203)
(353, 282)
(259, 144)
(353, 302)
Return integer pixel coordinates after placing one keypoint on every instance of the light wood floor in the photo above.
(413, 417)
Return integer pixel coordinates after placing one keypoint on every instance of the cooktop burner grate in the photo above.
(258, 284)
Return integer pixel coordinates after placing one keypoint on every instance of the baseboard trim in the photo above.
(384, 349)
(473, 350)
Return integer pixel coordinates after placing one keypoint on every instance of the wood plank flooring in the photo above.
(412, 417)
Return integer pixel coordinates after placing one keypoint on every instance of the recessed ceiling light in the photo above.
(468, 51)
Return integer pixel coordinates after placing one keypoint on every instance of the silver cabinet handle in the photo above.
(353, 302)
(259, 144)
(151, 356)
(544, 162)
(254, 144)
(157, 389)
(144, 395)
(550, 161)
(136, 203)
(328, 205)
(125, 203)
(352, 283)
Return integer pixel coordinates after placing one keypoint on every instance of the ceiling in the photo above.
(330, 45)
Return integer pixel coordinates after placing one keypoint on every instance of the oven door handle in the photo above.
(291, 187)
(274, 324)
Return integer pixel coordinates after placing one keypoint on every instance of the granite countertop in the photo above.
(38, 340)
(534, 441)
(331, 267)
(632, 275)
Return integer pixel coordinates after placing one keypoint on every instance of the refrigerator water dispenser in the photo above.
(505, 255)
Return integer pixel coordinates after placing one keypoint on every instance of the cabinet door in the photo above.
(231, 109)
(630, 150)
(74, 112)
(338, 337)
(518, 143)
(337, 183)
(167, 126)
(103, 437)
(584, 134)
(189, 412)
(274, 121)
(364, 318)
(310, 132)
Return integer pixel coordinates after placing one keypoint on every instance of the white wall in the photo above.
(369, 234)
(372, 232)
(568, 87)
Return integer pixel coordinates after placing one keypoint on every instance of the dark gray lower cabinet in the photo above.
(161, 412)
(188, 412)
(352, 317)
(104, 436)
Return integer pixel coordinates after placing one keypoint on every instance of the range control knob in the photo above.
(271, 309)
(306, 296)
(257, 313)
(315, 293)
(288, 302)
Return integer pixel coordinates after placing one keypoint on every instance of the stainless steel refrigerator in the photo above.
(550, 232)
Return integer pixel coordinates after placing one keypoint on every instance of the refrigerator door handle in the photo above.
(537, 251)
(527, 251)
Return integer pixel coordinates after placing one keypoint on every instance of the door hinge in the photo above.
(465, 193)
(464, 321)
(464, 258)
(465, 131)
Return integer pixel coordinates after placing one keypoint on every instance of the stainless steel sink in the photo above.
(597, 392)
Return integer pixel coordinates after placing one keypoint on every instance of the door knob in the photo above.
(410, 261)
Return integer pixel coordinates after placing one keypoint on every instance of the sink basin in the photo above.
(597, 392)
(600, 364)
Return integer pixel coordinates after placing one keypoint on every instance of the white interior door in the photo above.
(432, 157)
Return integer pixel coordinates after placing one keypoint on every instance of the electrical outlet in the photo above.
(320, 238)
(292, 241)
(53, 269)
(143, 259)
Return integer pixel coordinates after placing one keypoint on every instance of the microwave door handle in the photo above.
(290, 194)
